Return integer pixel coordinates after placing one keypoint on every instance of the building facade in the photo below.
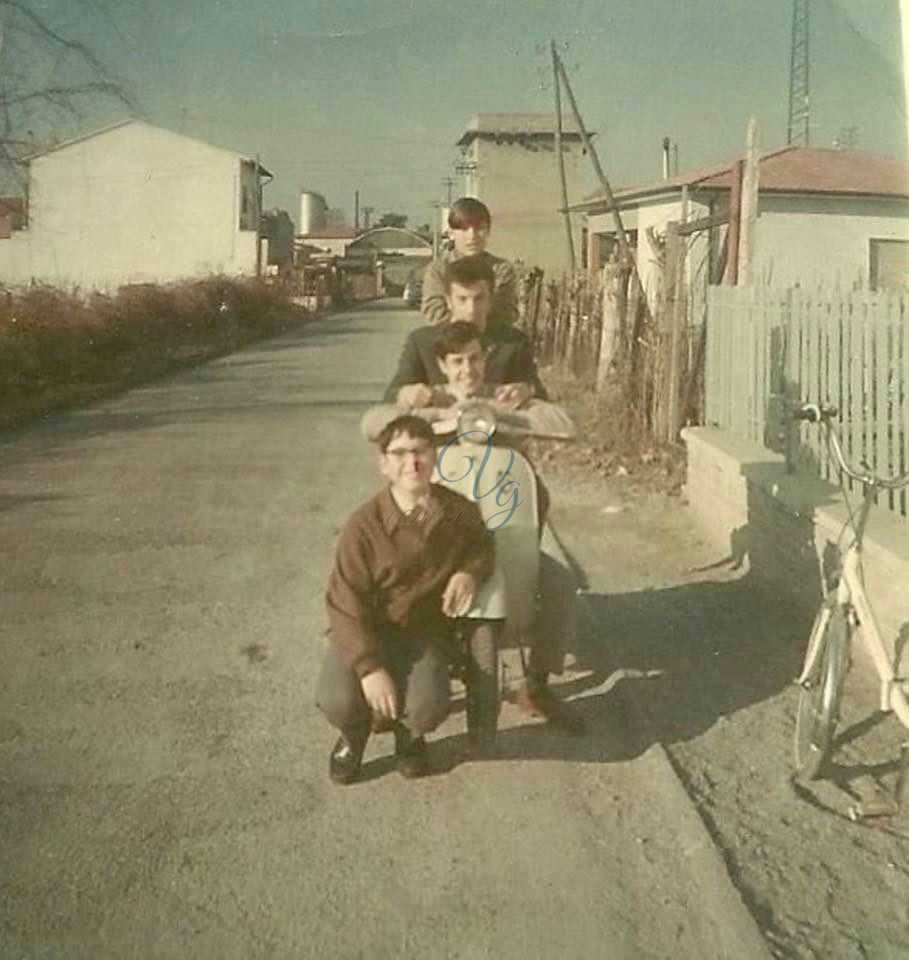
(824, 217)
(134, 203)
(509, 162)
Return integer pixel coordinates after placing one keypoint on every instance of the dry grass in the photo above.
(607, 445)
(59, 349)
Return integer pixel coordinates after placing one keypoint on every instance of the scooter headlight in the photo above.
(479, 417)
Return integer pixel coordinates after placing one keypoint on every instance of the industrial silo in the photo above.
(312, 212)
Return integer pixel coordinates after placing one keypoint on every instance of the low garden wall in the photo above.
(784, 528)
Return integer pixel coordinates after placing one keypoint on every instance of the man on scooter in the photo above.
(460, 360)
(469, 282)
(469, 223)
(393, 587)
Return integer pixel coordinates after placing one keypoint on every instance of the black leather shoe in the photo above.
(346, 757)
(411, 753)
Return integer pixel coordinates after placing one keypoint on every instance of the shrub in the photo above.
(55, 344)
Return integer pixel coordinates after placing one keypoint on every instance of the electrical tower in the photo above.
(799, 76)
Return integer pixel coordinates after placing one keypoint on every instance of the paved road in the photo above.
(163, 788)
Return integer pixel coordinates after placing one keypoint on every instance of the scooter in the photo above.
(501, 481)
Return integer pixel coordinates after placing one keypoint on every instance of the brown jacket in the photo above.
(390, 571)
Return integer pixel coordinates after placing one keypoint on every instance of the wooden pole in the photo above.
(572, 259)
(621, 237)
(678, 309)
(749, 206)
(609, 329)
(735, 214)
(258, 215)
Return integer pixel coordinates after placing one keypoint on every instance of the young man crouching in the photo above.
(394, 585)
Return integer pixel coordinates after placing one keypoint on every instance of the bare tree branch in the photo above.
(46, 79)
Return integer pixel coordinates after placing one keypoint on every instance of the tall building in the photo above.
(509, 163)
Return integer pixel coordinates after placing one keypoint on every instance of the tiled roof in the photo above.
(789, 170)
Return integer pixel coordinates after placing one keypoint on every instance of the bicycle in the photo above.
(845, 612)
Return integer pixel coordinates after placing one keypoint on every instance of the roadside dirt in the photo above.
(708, 661)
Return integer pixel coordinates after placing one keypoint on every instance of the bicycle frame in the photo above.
(851, 597)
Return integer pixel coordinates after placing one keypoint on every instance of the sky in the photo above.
(359, 94)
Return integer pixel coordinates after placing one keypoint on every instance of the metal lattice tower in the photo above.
(799, 77)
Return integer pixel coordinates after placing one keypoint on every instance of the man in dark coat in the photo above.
(469, 284)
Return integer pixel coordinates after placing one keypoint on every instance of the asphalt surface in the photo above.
(163, 787)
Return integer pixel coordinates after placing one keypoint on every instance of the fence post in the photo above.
(609, 324)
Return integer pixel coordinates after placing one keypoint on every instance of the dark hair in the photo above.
(467, 211)
(469, 270)
(454, 337)
(410, 425)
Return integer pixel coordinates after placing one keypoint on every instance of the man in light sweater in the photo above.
(469, 222)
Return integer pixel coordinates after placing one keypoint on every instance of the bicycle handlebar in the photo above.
(814, 412)
(824, 413)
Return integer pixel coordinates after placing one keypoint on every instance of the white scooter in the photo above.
(501, 481)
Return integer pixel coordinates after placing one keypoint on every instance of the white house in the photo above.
(825, 216)
(509, 163)
(135, 203)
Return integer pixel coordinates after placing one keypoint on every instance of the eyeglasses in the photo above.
(399, 452)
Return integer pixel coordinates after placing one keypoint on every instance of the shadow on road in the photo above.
(686, 656)
(691, 653)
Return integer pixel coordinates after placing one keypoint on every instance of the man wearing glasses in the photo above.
(394, 584)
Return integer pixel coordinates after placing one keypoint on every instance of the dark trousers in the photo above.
(555, 628)
(420, 672)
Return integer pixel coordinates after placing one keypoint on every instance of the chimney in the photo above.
(666, 144)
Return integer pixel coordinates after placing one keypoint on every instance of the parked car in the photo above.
(413, 290)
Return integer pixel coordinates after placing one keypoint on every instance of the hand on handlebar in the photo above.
(414, 395)
(513, 394)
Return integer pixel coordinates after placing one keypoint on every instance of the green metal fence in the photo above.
(768, 349)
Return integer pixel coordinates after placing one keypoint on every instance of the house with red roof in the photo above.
(825, 216)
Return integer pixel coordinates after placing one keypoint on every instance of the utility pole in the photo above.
(748, 216)
(258, 215)
(625, 254)
(572, 259)
(904, 30)
(798, 127)
(436, 208)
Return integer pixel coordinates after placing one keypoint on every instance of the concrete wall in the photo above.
(656, 214)
(133, 204)
(783, 527)
(520, 185)
(808, 240)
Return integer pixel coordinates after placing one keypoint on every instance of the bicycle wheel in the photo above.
(482, 683)
(818, 708)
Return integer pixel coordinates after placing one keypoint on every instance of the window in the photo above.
(888, 264)
(609, 246)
